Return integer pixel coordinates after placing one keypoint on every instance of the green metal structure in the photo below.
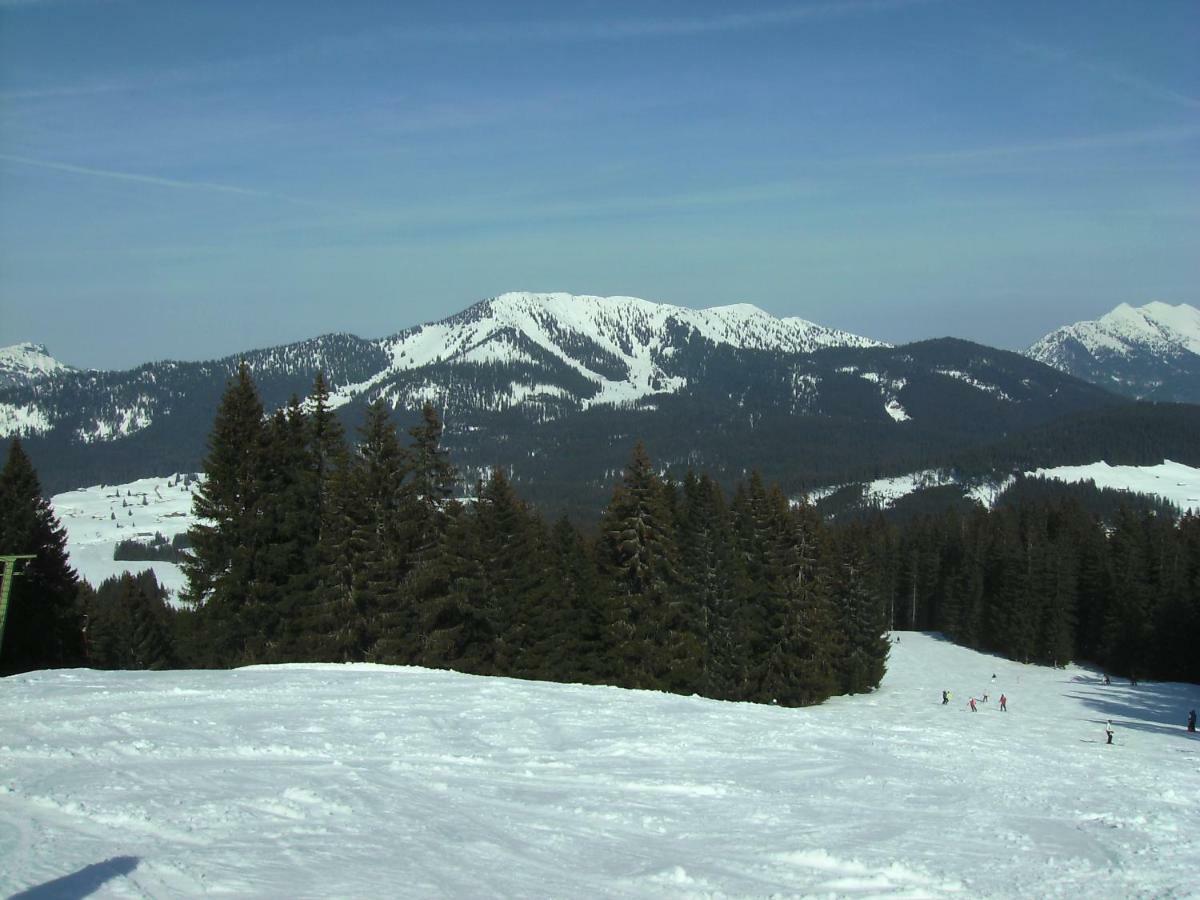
(10, 572)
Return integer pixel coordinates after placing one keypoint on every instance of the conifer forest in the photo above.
(318, 546)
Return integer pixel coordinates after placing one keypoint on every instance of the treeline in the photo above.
(158, 548)
(1046, 581)
(312, 549)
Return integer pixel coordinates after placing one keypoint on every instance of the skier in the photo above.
(1003, 703)
(973, 709)
(1106, 681)
(1108, 731)
(945, 697)
(1192, 721)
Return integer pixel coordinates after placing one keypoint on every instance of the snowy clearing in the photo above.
(367, 781)
(98, 518)
(1174, 482)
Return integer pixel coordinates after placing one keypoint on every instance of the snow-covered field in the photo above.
(98, 518)
(1172, 481)
(367, 781)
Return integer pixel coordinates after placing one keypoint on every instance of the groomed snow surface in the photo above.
(369, 781)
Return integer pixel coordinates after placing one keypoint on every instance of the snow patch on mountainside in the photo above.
(122, 423)
(968, 378)
(1171, 481)
(22, 421)
(520, 393)
(894, 409)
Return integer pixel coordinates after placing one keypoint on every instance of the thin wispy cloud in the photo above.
(1106, 71)
(158, 181)
(617, 29)
(67, 90)
(1090, 142)
(533, 31)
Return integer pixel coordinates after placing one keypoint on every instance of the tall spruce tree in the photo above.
(710, 573)
(569, 639)
(510, 541)
(650, 623)
(221, 567)
(377, 554)
(43, 627)
(321, 622)
(864, 646)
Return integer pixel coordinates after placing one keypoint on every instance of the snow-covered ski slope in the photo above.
(366, 781)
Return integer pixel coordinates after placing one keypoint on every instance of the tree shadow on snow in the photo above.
(1152, 707)
(86, 881)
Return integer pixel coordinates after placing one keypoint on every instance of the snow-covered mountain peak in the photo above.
(1146, 351)
(738, 324)
(1154, 324)
(27, 362)
(626, 347)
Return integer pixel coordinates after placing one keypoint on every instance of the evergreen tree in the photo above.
(43, 628)
(570, 639)
(863, 657)
(375, 552)
(511, 546)
(128, 624)
(785, 627)
(1128, 623)
(433, 571)
(711, 575)
(319, 627)
(655, 646)
(225, 539)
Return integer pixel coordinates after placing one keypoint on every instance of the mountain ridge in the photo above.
(1148, 352)
(557, 388)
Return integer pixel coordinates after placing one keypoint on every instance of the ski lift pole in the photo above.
(10, 572)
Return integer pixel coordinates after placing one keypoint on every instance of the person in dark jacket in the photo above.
(1192, 721)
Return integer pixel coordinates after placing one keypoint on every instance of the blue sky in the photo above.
(191, 179)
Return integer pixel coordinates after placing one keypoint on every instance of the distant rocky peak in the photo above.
(27, 362)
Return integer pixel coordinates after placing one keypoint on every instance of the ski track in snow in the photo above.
(367, 781)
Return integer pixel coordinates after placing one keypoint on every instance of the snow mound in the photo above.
(361, 781)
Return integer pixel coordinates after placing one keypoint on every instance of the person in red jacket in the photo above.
(1003, 703)
(972, 704)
